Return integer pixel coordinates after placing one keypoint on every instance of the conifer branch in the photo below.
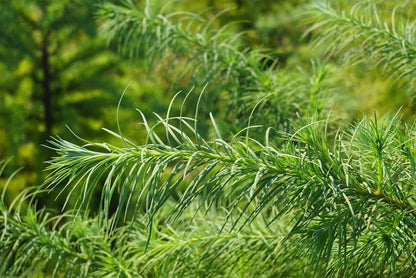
(364, 31)
(211, 56)
(343, 195)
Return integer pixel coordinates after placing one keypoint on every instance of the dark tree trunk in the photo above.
(46, 85)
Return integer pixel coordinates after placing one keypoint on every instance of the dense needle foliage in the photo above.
(287, 191)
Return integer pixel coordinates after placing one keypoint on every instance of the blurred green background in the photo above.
(57, 70)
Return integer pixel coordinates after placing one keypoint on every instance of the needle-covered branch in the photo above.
(391, 42)
(344, 196)
(214, 56)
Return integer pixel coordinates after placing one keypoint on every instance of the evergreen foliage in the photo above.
(55, 69)
(363, 27)
(292, 194)
(251, 77)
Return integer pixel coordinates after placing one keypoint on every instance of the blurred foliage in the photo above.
(55, 70)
